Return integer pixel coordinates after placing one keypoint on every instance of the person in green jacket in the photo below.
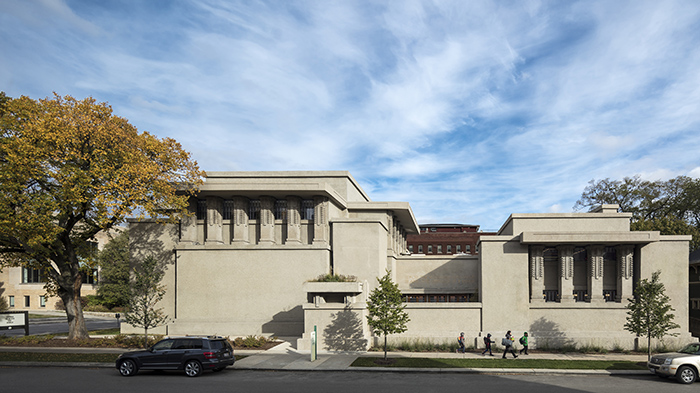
(523, 342)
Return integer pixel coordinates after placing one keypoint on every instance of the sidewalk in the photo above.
(285, 357)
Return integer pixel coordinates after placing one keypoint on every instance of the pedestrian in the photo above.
(524, 343)
(487, 343)
(507, 342)
(460, 341)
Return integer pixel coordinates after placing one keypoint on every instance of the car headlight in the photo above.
(667, 361)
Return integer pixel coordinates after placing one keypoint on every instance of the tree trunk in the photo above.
(145, 337)
(69, 291)
(384, 346)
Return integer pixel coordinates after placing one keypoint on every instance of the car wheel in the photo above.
(193, 368)
(128, 368)
(686, 374)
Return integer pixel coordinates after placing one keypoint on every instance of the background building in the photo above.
(446, 239)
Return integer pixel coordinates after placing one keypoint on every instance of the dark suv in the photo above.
(191, 353)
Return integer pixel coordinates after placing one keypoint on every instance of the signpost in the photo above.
(15, 319)
(314, 345)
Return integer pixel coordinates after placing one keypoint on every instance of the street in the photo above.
(66, 379)
(39, 326)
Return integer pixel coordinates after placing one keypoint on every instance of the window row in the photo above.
(35, 276)
(280, 210)
(27, 301)
(438, 249)
(441, 298)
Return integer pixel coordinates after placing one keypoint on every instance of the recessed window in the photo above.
(430, 249)
(459, 248)
(281, 210)
(449, 249)
(42, 301)
(439, 249)
(420, 249)
(12, 301)
(227, 214)
(307, 209)
(254, 209)
(27, 301)
(201, 209)
(31, 275)
(410, 248)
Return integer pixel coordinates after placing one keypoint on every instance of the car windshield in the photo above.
(691, 348)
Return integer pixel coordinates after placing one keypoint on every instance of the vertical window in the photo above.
(27, 301)
(307, 209)
(459, 248)
(201, 209)
(449, 249)
(42, 301)
(30, 275)
(227, 214)
(420, 248)
(439, 249)
(468, 248)
(430, 249)
(281, 210)
(90, 276)
(12, 300)
(410, 248)
(254, 209)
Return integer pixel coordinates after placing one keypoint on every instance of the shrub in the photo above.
(334, 278)
(96, 308)
(251, 341)
(61, 306)
(135, 341)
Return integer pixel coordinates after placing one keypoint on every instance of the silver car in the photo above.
(684, 364)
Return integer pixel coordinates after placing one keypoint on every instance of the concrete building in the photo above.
(246, 264)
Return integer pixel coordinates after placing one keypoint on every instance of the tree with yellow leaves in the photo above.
(70, 169)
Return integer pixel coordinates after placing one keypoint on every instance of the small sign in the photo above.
(15, 319)
(313, 344)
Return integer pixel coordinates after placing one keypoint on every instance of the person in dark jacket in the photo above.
(508, 344)
(487, 343)
(460, 341)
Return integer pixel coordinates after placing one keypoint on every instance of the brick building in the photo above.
(445, 239)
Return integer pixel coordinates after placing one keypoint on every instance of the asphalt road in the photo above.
(65, 380)
(41, 326)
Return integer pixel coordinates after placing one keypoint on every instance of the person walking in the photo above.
(524, 343)
(460, 341)
(487, 343)
(508, 344)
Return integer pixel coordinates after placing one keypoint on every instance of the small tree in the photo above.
(113, 288)
(146, 292)
(649, 312)
(386, 310)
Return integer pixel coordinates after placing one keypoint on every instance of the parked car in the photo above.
(684, 364)
(191, 353)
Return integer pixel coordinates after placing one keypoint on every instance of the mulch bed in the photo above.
(92, 343)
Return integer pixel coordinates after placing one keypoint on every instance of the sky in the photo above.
(468, 110)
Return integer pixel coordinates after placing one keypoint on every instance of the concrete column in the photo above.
(321, 221)
(267, 220)
(239, 224)
(625, 272)
(595, 273)
(215, 229)
(566, 273)
(390, 231)
(188, 224)
(293, 219)
(536, 274)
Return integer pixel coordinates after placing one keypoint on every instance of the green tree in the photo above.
(113, 287)
(145, 293)
(386, 309)
(649, 312)
(70, 169)
(671, 207)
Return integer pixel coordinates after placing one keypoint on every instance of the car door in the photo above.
(182, 348)
(159, 354)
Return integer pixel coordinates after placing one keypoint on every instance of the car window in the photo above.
(216, 344)
(691, 348)
(187, 343)
(165, 344)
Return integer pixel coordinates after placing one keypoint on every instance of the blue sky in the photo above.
(468, 110)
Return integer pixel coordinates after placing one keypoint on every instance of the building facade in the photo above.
(449, 239)
(245, 263)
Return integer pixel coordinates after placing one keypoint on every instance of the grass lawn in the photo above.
(507, 363)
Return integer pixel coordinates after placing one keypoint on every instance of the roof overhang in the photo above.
(633, 237)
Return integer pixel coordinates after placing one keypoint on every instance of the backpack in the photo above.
(522, 340)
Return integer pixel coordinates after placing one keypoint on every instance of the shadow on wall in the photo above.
(548, 334)
(146, 240)
(344, 333)
(288, 323)
(457, 274)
